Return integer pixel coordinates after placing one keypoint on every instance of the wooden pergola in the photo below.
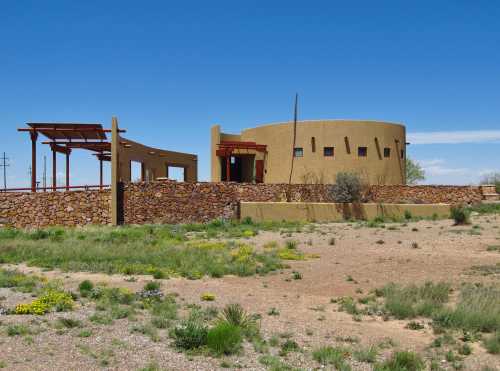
(63, 138)
(227, 148)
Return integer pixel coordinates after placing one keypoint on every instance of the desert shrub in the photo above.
(166, 308)
(69, 322)
(51, 299)
(461, 215)
(224, 338)
(18, 280)
(152, 286)
(18, 329)
(408, 215)
(335, 356)
(85, 288)
(402, 361)
(348, 305)
(478, 309)
(207, 296)
(413, 301)
(190, 334)
(368, 355)
(147, 330)
(347, 188)
(235, 315)
(492, 343)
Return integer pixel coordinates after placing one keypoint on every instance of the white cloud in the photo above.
(453, 137)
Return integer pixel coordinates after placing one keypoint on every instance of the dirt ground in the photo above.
(360, 260)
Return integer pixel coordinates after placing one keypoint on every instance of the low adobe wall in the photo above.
(332, 212)
(36, 210)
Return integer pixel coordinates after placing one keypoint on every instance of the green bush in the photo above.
(224, 338)
(413, 301)
(347, 188)
(152, 286)
(332, 356)
(85, 288)
(461, 215)
(478, 309)
(235, 315)
(402, 361)
(492, 343)
(190, 334)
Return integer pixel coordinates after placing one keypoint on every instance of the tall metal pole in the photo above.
(294, 135)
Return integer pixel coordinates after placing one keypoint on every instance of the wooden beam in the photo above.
(34, 137)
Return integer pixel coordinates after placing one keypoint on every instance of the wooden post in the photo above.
(54, 168)
(114, 171)
(228, 168)
(100, 173)
(68, 152)
(34, 136)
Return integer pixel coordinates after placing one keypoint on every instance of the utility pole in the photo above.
(4, 164)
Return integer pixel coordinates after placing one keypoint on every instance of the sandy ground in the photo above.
(414, 253)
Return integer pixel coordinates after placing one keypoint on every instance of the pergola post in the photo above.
(54, 169)
(34, 136)
(100, 173)
(228, 168)
(68, 152)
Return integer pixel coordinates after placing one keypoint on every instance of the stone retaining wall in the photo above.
(173, 202)
(425, 194)
(35, 210)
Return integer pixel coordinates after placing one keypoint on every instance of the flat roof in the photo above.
(68, 131)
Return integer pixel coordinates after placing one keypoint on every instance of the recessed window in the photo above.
(402, 153)
(387, 152)
(313, 144)
(328, 151)
(362, 151)
(298, 152)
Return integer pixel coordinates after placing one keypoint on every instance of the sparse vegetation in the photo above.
(402, 361)
(335, 356)
(413, 301)
(461, 215)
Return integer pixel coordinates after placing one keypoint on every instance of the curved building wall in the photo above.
(384, 162)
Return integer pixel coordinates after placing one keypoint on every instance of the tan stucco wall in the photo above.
(315, 167)
(154, 161)
(331, 212)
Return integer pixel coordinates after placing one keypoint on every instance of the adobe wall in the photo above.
(36, 210)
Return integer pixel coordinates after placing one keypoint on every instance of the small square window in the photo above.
(328, 151)
(387, 152)
(402, 153)
(298, 152)
(362, 151)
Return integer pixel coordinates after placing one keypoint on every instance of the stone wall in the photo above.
(425, 194)
(172, 202)
(35, 210)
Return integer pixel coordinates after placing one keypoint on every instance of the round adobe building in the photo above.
(267, 154)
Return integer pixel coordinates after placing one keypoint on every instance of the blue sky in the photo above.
(169, 70)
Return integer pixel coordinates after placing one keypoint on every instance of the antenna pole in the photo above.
(295, 113)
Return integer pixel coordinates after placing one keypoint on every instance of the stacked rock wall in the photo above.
(173, 202)
(35, 210)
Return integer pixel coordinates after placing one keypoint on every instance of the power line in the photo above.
(5, 165)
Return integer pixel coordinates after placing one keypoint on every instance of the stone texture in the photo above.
(173, 202)
(35, 210)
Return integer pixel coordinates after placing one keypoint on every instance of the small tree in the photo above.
(347, 188)
(414, 172)
(492, 178)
